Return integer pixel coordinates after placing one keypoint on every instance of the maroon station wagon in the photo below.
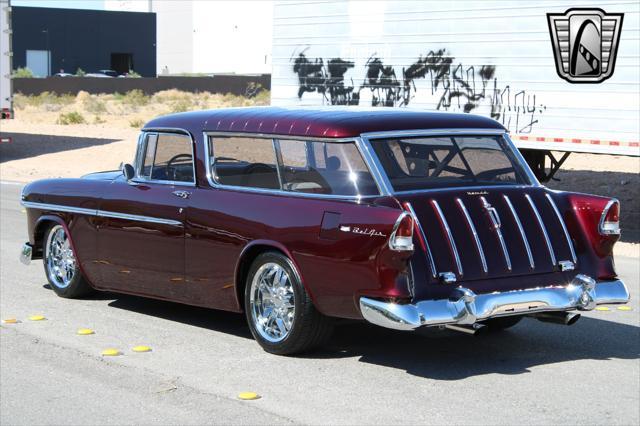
(402, 218)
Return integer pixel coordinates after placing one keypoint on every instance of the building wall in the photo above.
(84, 38)
(209, 36)
(493, 58)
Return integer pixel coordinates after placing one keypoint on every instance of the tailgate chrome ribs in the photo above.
(564, 228)
(522, 233)
(452, 243)
(543, 229)
(475, 234)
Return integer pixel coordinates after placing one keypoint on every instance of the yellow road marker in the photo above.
(9, 321)
(602, 308)
(85, 331)
(248, 395)
(110, 352)
(625, 308)
(37, 318)
(141, 349)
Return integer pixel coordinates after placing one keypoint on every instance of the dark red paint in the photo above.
(204, 261)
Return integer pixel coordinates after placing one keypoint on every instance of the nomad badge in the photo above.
(585, 43)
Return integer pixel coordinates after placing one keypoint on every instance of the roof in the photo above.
(327, 122)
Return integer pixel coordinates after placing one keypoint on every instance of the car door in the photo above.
(141, 236)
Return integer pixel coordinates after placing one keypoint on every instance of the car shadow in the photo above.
(448, 355)
(25, 145)
(429, 353)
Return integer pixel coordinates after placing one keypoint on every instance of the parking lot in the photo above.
(202, 359)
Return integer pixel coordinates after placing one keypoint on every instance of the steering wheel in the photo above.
(171, 169)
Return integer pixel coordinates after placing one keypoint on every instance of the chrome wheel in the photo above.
(61, 262)
(272, 302)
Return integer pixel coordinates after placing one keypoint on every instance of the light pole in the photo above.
(46, 32)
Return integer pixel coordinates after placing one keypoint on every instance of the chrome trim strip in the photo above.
(59, 208)
(543, 228)
(99, 213)
(464, 307)
(141, 154)
(475, 234)
(432, 132)
(496, 226)
(373, 163)
(138, 218)
(432, 264)
(604, 215)
(564, 228)
(276, 136)
(214, 184)
(522, 233)
(452, 243)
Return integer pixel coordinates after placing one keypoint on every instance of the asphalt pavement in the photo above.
(201, 360)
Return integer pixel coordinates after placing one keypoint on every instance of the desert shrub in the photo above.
(80, 72)
(46, 101)
(72, 117)
(262, 98)
(133, 74)
(94, 104)
(98, 120)
(135, 97)
(22, 72)
(136, 123)
(181, 106)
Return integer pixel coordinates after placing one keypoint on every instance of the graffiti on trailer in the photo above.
(455, 86)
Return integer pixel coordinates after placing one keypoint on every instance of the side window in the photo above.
(337, 168)
(168, 157)
(244, 161)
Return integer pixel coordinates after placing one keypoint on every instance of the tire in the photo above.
(61, 265)
(502, 323)
(279, 311)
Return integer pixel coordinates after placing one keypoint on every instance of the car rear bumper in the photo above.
(464, 307)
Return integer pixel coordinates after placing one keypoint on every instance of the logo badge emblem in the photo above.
(585, 43)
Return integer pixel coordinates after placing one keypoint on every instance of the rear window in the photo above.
(431, 162)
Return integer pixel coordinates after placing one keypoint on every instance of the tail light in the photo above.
(610, 219)
(402, 236)
(598, 218)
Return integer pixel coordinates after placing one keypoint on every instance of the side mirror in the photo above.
(128, 172)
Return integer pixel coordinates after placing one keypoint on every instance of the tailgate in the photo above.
(488, 234)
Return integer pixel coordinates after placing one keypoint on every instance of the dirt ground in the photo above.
(51, 150)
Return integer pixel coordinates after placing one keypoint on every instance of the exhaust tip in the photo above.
(563, 318)
(572, 319)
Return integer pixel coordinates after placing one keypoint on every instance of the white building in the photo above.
(208, 36)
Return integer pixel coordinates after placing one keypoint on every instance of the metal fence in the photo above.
(246, 85)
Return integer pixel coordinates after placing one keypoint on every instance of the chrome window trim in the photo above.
(454, 248)
(564, 228)
(141, 151)
(99, 213)
(525, 240)
(386, 183)
(208, 164)
(552, 254)
(483, 259)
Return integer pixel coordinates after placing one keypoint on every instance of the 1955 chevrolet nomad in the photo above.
(294, 216)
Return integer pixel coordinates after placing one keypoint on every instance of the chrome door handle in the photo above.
(181, 194)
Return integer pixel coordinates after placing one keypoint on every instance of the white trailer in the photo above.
(493, 58)
(6, 92)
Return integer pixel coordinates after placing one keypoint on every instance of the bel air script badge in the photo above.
(362, 231)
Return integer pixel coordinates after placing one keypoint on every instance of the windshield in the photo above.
(414, 163)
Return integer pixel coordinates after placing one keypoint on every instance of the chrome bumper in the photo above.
(26, 253)
(464, 307)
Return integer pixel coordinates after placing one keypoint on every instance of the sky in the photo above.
(63, 4)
